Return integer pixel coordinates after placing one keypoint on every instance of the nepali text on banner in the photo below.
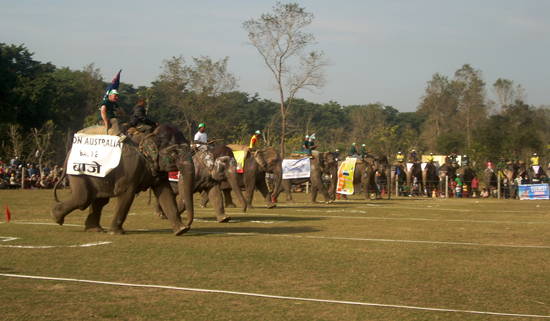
(345, 176)
(296, 168)
(94, 155)
(533, 192)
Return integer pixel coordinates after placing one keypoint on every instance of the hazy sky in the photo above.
(383, 51)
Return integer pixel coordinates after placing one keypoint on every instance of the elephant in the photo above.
(381, 165)
(145, 163)
(397, 173)
(490, 180)
(534, 175)
(256, 165)
(364, 175)
(466, 174)
(414, 170)
(430, 179)
(212, 167)
(321, 163)
(446, 171)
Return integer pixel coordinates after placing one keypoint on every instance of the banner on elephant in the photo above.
(345, 176)
(533, 192)
(94, 155)
(296, 168)
(239, 157)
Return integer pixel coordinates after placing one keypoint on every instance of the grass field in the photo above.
(398, 259)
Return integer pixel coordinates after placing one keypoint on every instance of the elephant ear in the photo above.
(150, 150)
(260, 159)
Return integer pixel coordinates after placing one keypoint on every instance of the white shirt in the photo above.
(201, 137)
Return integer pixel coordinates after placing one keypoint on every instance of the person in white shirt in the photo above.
(200, 137)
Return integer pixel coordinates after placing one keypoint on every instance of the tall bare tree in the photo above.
(196, 90)
(43, 141)
(470, 89)
(18, 140)
(507, 94)
(279, 39)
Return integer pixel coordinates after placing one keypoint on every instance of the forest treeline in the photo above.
(42, 106)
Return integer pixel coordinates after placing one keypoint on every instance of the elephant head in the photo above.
(382, 165)
(270, 161)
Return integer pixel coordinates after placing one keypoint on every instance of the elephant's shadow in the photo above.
(233, 230)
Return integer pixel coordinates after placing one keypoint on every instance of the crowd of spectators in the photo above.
(14, 175)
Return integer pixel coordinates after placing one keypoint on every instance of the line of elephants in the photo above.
(147, 159)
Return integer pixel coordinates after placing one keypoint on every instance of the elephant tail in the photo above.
(61, 179)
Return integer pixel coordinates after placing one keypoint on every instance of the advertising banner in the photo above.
(345, 176)
(533, 192)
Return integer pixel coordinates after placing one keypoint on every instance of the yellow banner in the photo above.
(239, 156)
(345, 176)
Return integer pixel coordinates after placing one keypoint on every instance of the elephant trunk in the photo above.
(278, 179)
(425, 181)
(231, 174)
(388, 172)
(186, 186)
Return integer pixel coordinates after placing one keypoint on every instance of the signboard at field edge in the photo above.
(533, 192)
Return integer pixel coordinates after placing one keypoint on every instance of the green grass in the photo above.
(472, 255)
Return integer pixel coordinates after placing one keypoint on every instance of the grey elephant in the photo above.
(381, 165)
(212, 168)
(321, 164)
(145, 163)
(430, 179)
(535, 175)
(256, 165)
(363, 174)
(467, 174)
(414, 170)
(446, 173)
(397, 173)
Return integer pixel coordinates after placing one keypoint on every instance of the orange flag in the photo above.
(8, 213)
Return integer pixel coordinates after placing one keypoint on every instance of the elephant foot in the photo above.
(329, 202)
(59, 219)
(230, 206)
(272, 205)
(202, 206)
(161, 216)
(117, 232)
(181, 230)
(225, 219)
(94, 229)
(249, 206)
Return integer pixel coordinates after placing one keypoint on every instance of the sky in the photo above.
(382, 51)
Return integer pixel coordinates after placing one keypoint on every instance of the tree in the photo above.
(470, 92)
(195, 91)
(439, 106)
(279, 39)
(506, 92)
(43, 140)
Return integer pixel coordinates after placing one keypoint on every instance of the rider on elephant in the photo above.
(139, 119)
(414, 156)
(305, 146)
(465, 160)
(353, 152)
(400, 157)
(364, 151)
(514, 158)
(489, 166)
(312, 144)
(109, 112)
(453, 158)
(254, 141)
(502, 163)
(200, 138)
(430, 158)
(535, 160)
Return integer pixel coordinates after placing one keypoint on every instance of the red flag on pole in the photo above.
(8, 213)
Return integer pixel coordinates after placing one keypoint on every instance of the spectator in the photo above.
(484, 193)
(475, 186)
(406, 190)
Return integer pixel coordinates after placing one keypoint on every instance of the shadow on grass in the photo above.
(232, 230)
(8, 271)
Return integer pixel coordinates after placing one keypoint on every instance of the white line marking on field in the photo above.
(377, 240)
(52, 246)
(274, 296)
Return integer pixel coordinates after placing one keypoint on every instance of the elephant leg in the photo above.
(167, 202)
(318, 186)
(94, 216)
(215, 196)
(123, 204)
(229, 199)
(81, 198)
(287, 185)
(262, 187)
(158, 211)
(204, 199)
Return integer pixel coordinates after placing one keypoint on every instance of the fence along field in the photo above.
(404, 258)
